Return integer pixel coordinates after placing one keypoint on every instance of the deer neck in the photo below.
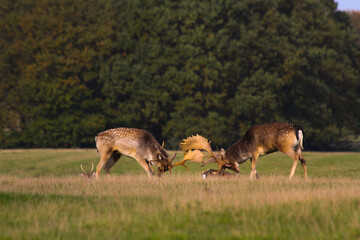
(238, 152)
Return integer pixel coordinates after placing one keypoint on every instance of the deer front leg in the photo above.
(303, 163)
(145, 165)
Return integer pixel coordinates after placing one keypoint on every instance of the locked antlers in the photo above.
(164, 160)
(195, 156)
(191, 148)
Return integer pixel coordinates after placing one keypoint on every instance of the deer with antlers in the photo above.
(259, 140)
(135, 143)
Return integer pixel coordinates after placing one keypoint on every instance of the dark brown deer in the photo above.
(135, 143)
(259, 140)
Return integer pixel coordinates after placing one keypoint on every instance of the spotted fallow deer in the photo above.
(135, 143)
(259, 140)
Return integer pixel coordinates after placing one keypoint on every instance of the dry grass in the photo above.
(128, 205)
(180, 190)
(50, 202)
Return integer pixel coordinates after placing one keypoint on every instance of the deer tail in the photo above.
(300, 136)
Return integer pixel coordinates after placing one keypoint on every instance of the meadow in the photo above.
(43, 196)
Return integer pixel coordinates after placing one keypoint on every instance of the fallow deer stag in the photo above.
(259, 140)
(135, 143)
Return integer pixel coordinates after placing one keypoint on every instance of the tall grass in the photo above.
(47, 202)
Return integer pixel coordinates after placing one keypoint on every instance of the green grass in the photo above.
(42, 196)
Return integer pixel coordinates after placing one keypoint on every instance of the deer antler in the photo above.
(195, 156)
(198, 143)
(165, 163)
(85, 174)
(82, 168)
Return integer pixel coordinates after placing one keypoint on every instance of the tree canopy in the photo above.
(70, 69)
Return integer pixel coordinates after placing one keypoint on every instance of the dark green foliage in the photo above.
(69, 70)
(355, 21)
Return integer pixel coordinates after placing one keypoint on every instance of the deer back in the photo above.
(264, 139)
(131, 142)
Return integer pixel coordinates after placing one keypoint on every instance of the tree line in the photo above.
(70, 69)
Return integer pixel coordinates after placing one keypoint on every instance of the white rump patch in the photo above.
(299, 142)
(301, 137)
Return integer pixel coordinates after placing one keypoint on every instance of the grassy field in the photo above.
(42, 196)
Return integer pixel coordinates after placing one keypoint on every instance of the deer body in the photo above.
(135, 143)
(259, 140)
(267, 138)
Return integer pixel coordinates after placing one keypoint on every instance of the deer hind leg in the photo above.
(253, 161)
(115, 156)
(146, 165)
(292, 172)
(295, 155)
(303, 163)
(104, 156)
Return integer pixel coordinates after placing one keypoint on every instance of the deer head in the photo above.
(163, 162)
(87, 174)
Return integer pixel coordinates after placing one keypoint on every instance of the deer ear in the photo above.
(222, 151)
(157, 146)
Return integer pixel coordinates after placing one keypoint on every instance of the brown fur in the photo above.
(135, 143)
(267, 138)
